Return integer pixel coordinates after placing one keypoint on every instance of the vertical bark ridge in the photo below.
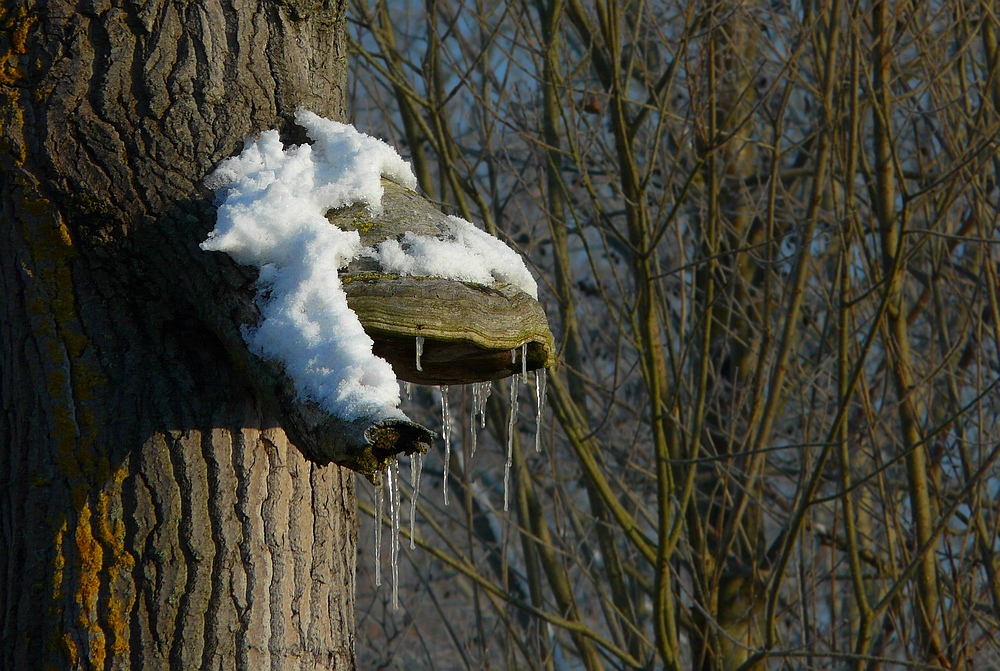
(191, 475)
(300, 543)
(243, 582)
(275, 519)
(257, 559)
(220, 611)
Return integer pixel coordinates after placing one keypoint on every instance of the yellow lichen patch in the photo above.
(15, 27)
(363, 224)
(95, 555)
(72, 652)
(63, 642)
(70, 376)
(55, 323)
(59, 563)
(55, 369)
(23, 23)
(91, 558)
(110, 528)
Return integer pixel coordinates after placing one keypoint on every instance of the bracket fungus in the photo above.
(468, 329)
(362, 282)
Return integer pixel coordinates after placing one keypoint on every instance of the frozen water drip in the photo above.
(510, 442)
(539, 406)
(473, 429)
(524, 363)
(378, 528)
(480, 392)
(420, 352)
(393, 484)
(416, 467)
(408, 390)
(446, 431)
(485, 389)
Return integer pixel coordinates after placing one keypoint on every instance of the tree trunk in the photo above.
(154, 515)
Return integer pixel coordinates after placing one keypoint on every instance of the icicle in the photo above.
(472, 427)
(420, 352)
(510, 441)
(378, 529)
(408, 390)
(539, 406)
(513, 355)
(416, 467)
(524, 363)
(480, 392)
(394, 514)
(446, 432)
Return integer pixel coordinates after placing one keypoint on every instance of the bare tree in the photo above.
(770, 233)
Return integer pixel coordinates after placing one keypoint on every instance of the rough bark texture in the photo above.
(152, 512)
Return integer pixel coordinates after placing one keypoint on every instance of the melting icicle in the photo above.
(416, 467)
(480, 392)
(446, 432)
(393, 484)
(485, 389)
(472, 426)
(524, 363)
(510, 441)
(420, 352)
(378, 529)
(539, 406)
(408, 390)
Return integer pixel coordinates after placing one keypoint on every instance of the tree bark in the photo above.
(153, 513)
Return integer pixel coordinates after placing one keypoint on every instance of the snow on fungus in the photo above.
(272, 202)
(467, 254)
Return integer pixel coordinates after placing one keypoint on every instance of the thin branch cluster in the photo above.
(766, 234)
